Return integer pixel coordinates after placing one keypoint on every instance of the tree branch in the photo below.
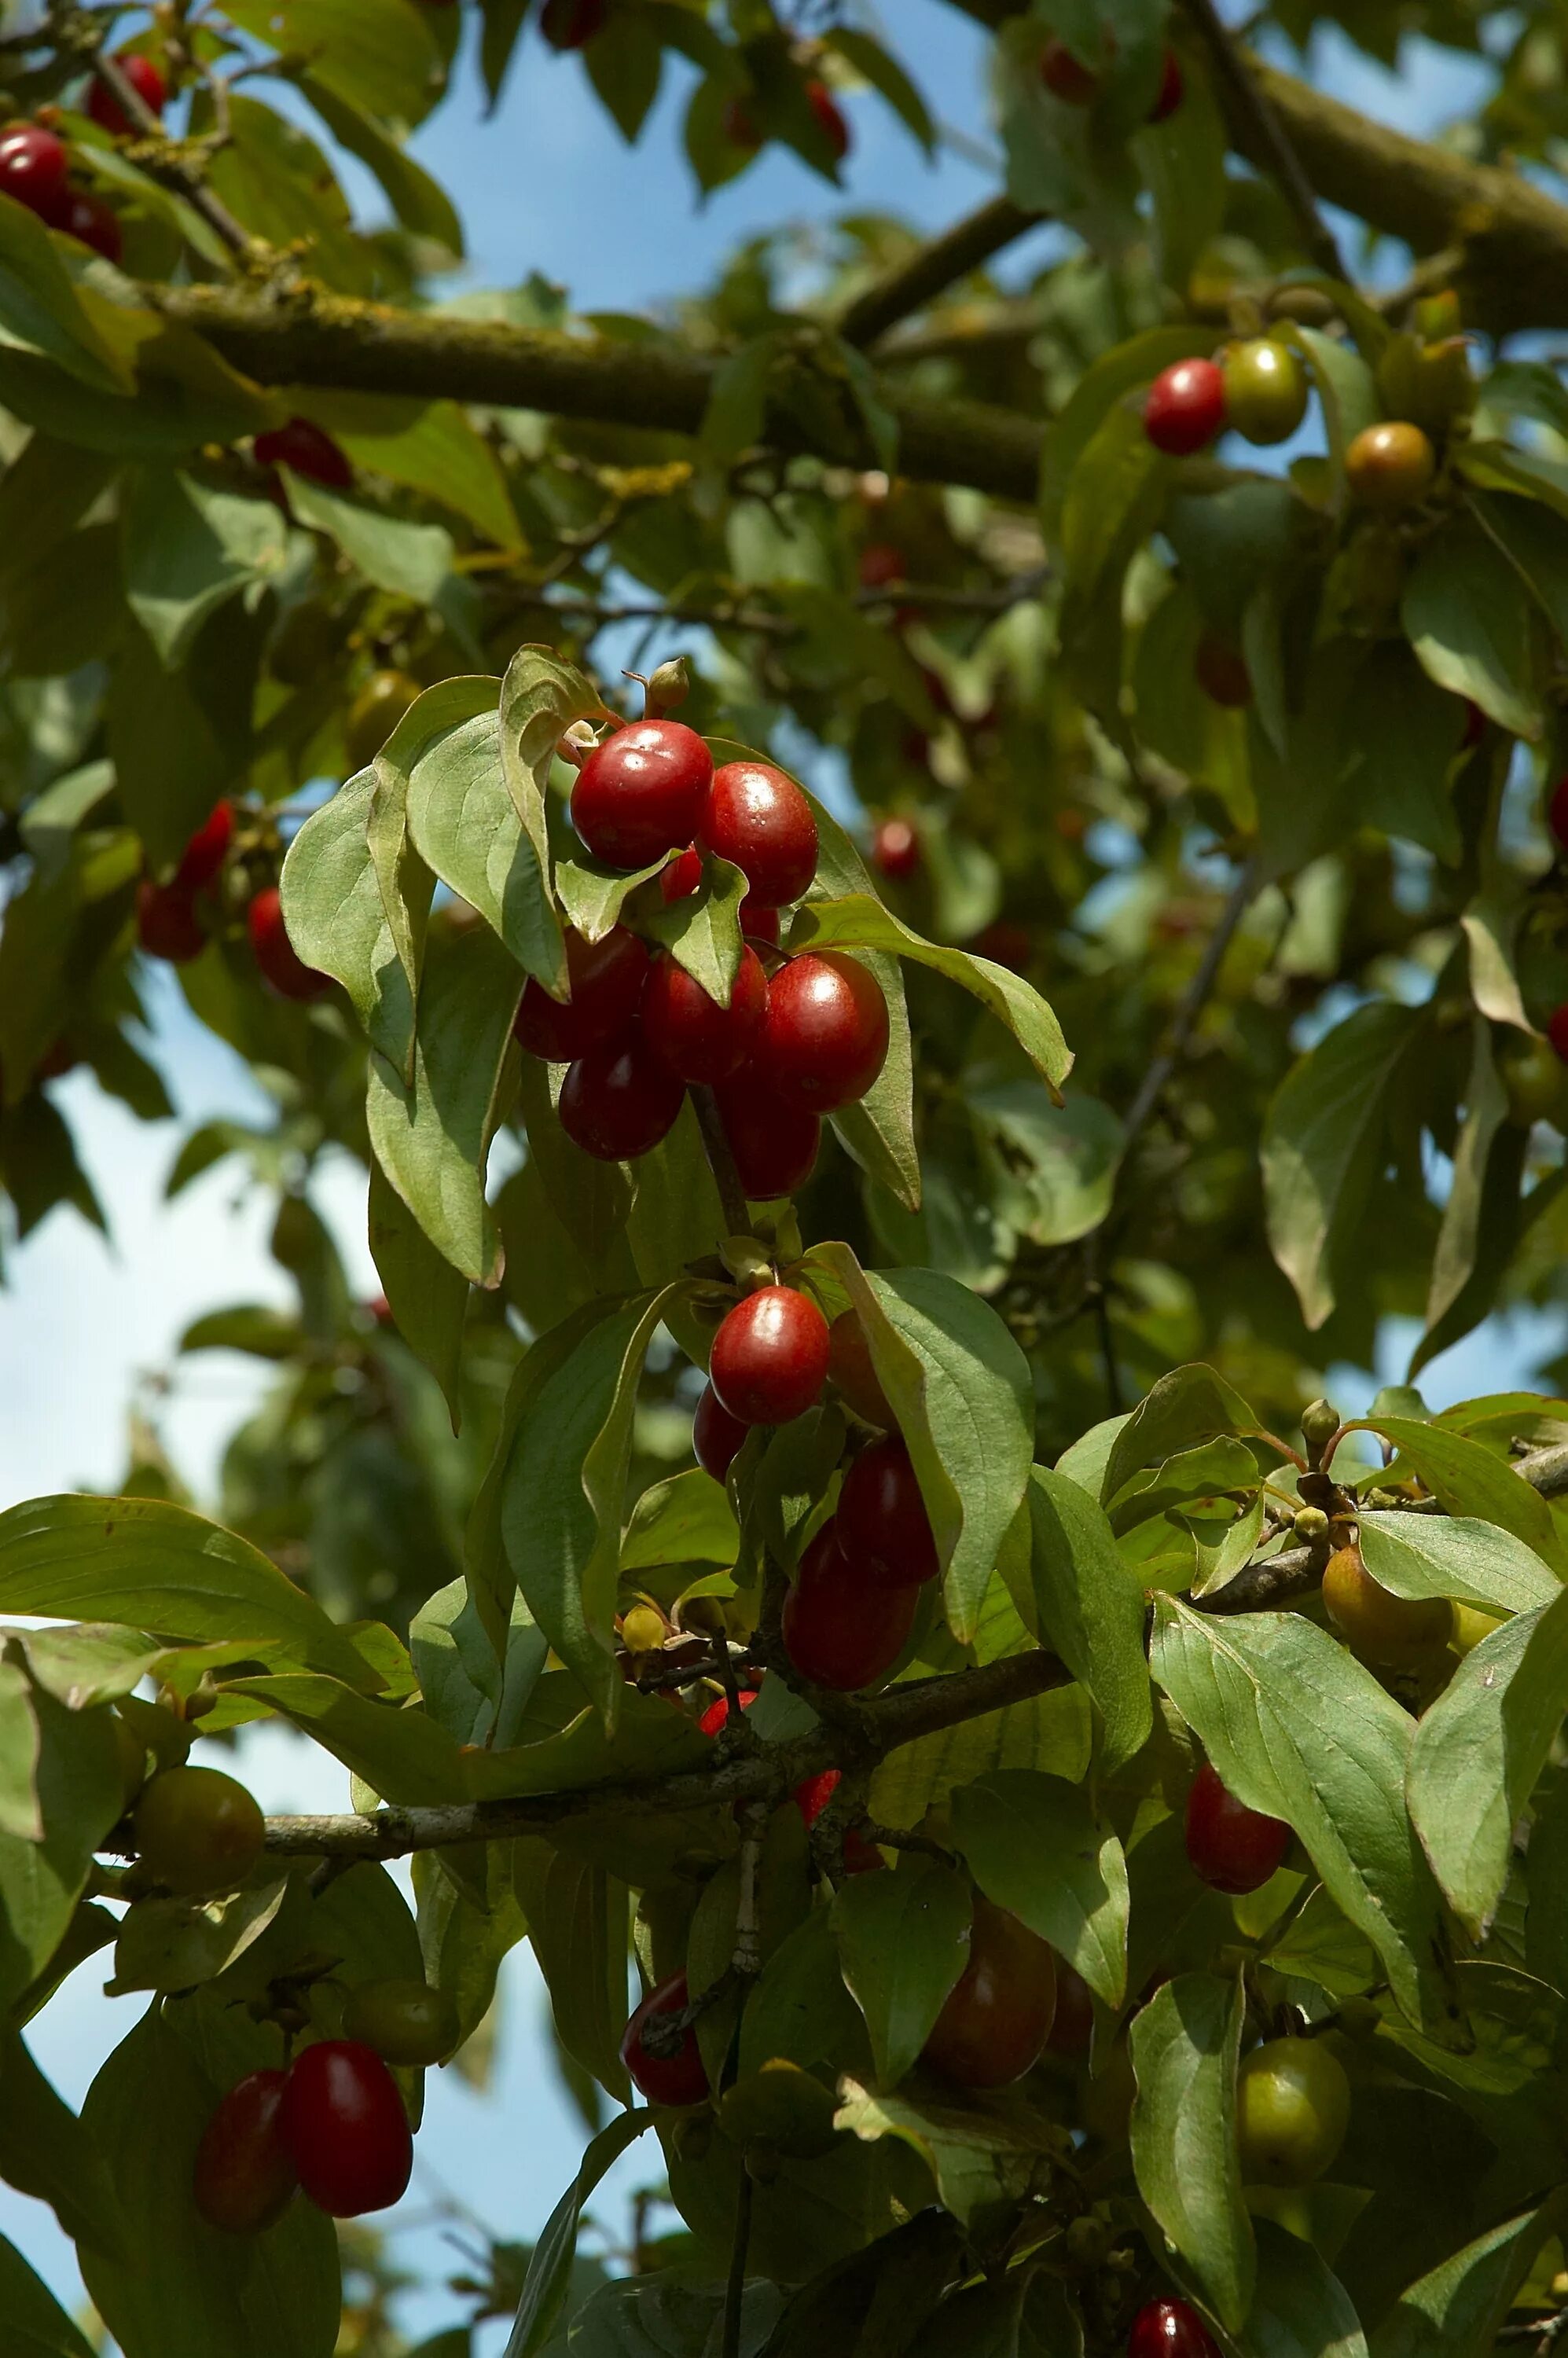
(168, 164)
(1193, 1001)
(913, 283)
(1250, 114)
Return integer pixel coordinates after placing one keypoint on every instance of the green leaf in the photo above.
(550, 2264)
(18, 1755)
(40, 310)
(1125, 369)
(432, 1138)
(1434, 1555)
(1296, 1728)
(463, 822)
(799, 2007)
(576, 1922)
(36, 2324)
(903, 1943)
(419, 202)
(687, 1519)
(591, 1199)
(625, 72)
(336, 919)
(44, 2152)
(606, 1471)
(1466, 1235)
(176, 1943)
(887, 78)
(593, 897)
(407, 560)
(153, 1565)
(432, 447)
(1300, 2309)
(187, 549)
(81, 1797)
(427, 1297)
(1324, 1145)
(1054, 1166)
(1184, 2046)
(1091, 1609)
(702, 930)
(1472, 1481)
(387, 62)
(1478, 1751)
(1456, 2310)
(960, 1389)
(1034, 1846)
(1188, 1406)
(1467, 616)
(1347, 389)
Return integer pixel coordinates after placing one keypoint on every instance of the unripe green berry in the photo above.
(1311, 1524)
(669, 687)
(1320, 1422)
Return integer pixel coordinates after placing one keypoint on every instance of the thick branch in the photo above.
(932, 268)
(901, 1716)
(334, 343)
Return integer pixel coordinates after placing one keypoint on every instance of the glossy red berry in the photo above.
(716, 1436)
(769, 1360)
(33, 166)
(839, 1630)
(343, 2123)
(205, 852)
(1233, 1848)
(825, 108)
(1556, 809)
(642, 793)
(1172, 90)
(166, 924)
(696, 1038)
(1072, 2024)
(145, 79)
(92, 222)
(572, 24)
(1065, 76)
(881, 565)
(760, 820)
(759, 925)
(716, 1715)
(1557, 1031)
(307, 449)
(680, 880)
(882, 1522)
(827, 1035)
(775, 1145)
(896, 849)
(618, 1101)
(244, 2178)
(997, 2017)
(664, 2079)
(1170, 2329)
(281, 964)
(811, 1798)
(607, 979)
(1185, 408)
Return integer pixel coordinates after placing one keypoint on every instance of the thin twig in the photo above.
(918, 598)
(1191, 1006)
(916, 281)
(1235, 72)
(735, 2290)
(721, 1162)
(169, 165)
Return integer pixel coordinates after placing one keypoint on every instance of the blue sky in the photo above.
(547, 186)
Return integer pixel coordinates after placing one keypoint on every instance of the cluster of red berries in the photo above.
(639, 1030)
(172, 919)
(35, 162)
(1066, 77)
(332, 2124)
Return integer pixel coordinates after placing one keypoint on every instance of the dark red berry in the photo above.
(147, 81)
(718, 1713)
(664, 2079)
(775, 1145)
(827, 1033)
(1172, 90)
(166, 924)
(1072, 2026)
(205, 852)
(1221, 672)
(769, 1360)
(281, 964)
(850, 1368)
(696, 1038)
(881, 565)
(759, 925)
(716, 1436)
(840, 1631)
(1557, 1031)
(619, 1101)
(680, 880)
(1556, 809)
(1185, 408)
(740, 124)
(760, 820)
(92, 222)
(1233, 1848)
(642, 793)
(33, 166)
(343, 2123)
(307, 449)
(895, 849)
(825, 106)
(811, 1797)
(1066, 77)
(572, 24)
(244, 2178)
(882, 1522)
(1169, 2329)
(607, 979)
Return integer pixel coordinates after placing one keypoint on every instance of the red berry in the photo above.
(1066, 77)
(166, 924)
(740, 124)
(680, 880)
(308, 450)
(280, 963)
(825, 108)
(1557, 1031)
(881, 565)
(204, 854)
(244, 2178)
(1072, 2026)
(677, 2078)
(759, 925)
(696, 1038)
(1233, 1848)
(147, 81)
(1221, 672)
(572, 24)
(618, 1101)
(343, 2123)
(716, 1436)
(850, 1367)
(997, 2017)
(33, 166)
(895, 849)
(812, 1795)
(760, 820)
(607, 979)
(826, 1035)
(1557, 809)
(1172, 90)
(769, 1360)
(641, 792)
(775, 1145)
(1169, 2329)
(92, 222)
(1186, 408)
(838, 1631)
(718, 1713)
(882, 1522)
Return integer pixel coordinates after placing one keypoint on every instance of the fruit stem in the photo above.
(735, 2290)
(721, 1162)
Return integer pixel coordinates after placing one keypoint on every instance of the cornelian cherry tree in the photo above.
(1056, 1840)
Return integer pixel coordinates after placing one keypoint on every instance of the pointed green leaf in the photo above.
(903, 1942)
(1184, 2046)
(1034, 1846)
